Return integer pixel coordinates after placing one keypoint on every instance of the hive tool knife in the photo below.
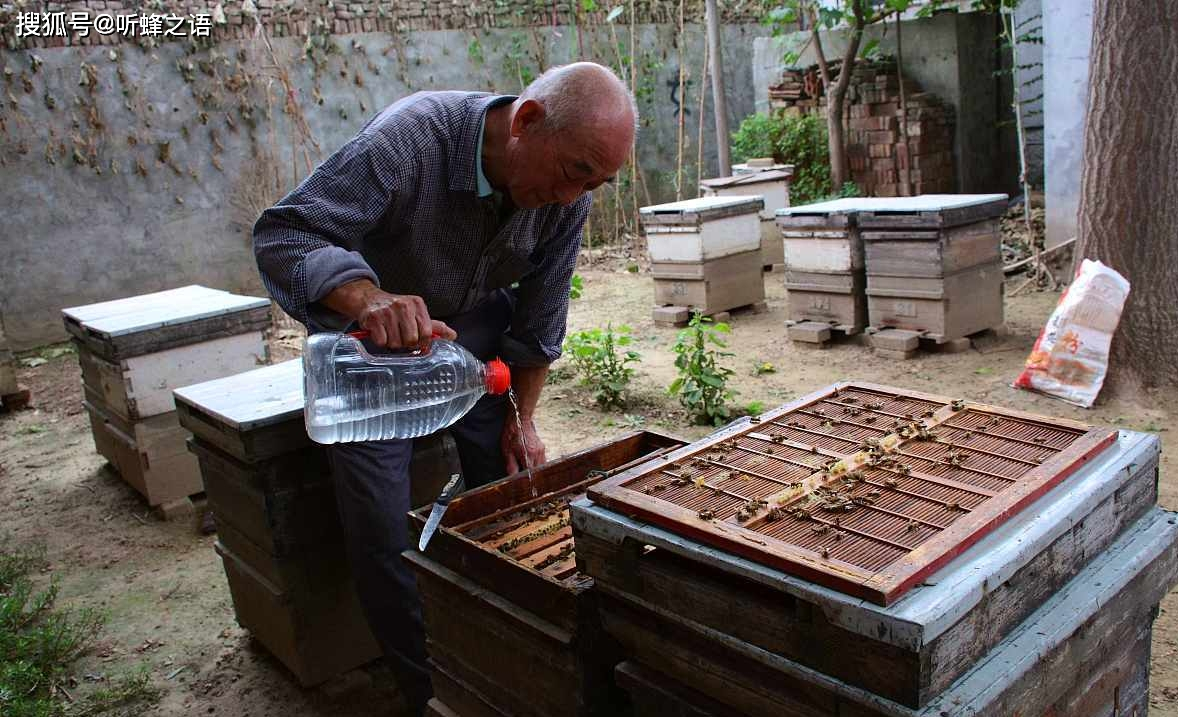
(451, 489)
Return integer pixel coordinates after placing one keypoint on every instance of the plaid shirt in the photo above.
(399, 204)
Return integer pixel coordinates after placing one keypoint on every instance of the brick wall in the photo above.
(236, 19)
(876, 151)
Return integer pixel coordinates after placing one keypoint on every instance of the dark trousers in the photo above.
(372, 491)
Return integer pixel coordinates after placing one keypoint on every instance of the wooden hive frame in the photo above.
(745, 530)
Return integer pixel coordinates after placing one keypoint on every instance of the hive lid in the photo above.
(741, 180)
(700, 209)
(244, 401)
(164, 308)
(862, 488)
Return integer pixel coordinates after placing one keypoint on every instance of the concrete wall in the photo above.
(1067, 34)
(1028, 19)
(144, 185)
(952, 55)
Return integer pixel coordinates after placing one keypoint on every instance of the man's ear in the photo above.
(528, 115)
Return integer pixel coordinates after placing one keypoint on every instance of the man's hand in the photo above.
(512, 442)
(396, 321)
(526, 381)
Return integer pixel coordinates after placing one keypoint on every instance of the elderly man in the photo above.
(454, 214)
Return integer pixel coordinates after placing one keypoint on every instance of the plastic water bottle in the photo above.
(352, 395)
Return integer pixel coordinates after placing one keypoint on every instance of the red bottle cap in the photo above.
(498, 377)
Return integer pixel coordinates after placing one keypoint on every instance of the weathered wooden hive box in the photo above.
(135, 351)
(772, 185)
(934, 263)
(824, 274)
(512, 624)
(875, 551)
(706, 253)
(8, 385)
(278, 530)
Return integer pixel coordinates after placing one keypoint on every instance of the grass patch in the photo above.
(39, 643)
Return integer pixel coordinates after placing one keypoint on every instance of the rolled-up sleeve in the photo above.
(305, 244)
(541, 313)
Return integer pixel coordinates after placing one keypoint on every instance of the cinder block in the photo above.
(809, 332)
(670, 315)
(176, 509)
(895, 355)
(895, 340)
(721, 316)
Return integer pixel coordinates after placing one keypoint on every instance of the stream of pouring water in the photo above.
(520, 425)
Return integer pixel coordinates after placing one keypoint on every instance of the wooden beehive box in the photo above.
(934, 263)
(133, 352)
(699, 230)
(772, 185)
(511, 623)
(711, 286)
(914, 508)
(279, 535)
(824, 264)
(1084, 651)
(8, 385)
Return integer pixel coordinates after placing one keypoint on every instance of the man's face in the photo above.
(557, 168)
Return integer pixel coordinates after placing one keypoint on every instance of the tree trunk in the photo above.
(836, 99)
(1128, 215)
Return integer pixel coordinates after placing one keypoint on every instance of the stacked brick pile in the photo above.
(879, 158)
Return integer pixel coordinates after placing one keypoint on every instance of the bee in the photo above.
(912, 526)
(820, 529)
(769, 451)
(828, 424)
(891, 482)
(825, 553)
(1039, 439)
(657, 488)
(968, 435)
(958, 404)
(952, 506)
(773, 514)
(754, 419)
(851, 399)
(869, 419)
(1040, 459)
(927, 414)
(902, 469)
(742, 517)
(874, 406)
(838, 535)
(706, 515)
(778, 439)
(813, 449)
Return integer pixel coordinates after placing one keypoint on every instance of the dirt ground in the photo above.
(162, 586)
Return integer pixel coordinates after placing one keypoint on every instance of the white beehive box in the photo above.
(135, 351)
(772, 186)
(698, 230)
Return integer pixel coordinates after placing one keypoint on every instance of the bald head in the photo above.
(584, 95)
(569, 132)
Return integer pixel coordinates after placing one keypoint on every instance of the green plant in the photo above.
(702, 385)
(576, 287)
(754, 408)
(799, 140)
(761, 368)
(39, 642)
(602, 360)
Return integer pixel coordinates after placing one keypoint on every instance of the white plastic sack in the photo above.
(1070, 358)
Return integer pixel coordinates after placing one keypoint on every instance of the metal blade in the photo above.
(452, 488)
(431, 524)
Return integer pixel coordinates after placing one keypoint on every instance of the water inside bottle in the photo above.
(520, 425)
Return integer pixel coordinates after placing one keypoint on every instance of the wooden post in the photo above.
(719, 101)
